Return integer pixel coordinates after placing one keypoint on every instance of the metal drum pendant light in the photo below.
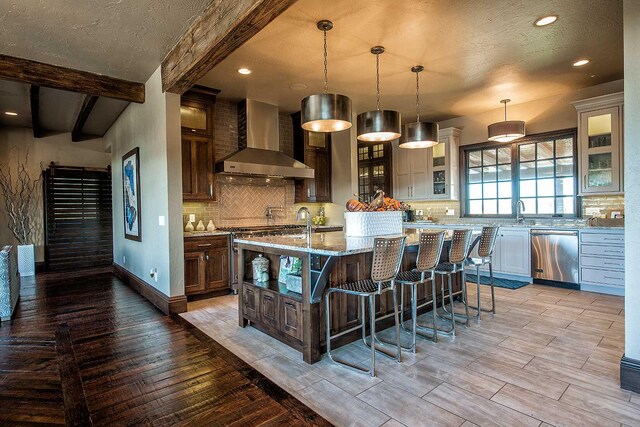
(419, 134)
(379, 125)
(506, 131)
(326, 112)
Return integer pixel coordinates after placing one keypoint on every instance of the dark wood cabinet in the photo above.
(194, 272)
(217, 268)
(197, 168)
(251, 303)
(314, 150)
(196, 113)
(206, 265)
(269, 308)
(291, 317)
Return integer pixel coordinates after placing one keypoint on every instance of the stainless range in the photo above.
(255, 231)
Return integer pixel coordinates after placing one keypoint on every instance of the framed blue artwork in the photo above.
(131, 195)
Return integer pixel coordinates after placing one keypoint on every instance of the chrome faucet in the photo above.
(519, 209)
(307, 213)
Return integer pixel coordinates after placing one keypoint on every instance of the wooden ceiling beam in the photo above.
(223, 27)
(85, 111)
(34, 96)
(40, 74)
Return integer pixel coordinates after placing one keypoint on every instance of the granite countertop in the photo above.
(528, 226)
(188, 234)
(332, 243)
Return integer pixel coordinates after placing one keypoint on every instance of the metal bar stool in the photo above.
(487, 244)
(458, 253)
(429, 251)
(387, 256)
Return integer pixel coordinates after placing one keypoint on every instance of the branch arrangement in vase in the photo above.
(20, 194)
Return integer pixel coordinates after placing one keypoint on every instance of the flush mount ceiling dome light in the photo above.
(508, 130)
(244, 71)
(10, 113)
(581, 62)
(379, 125)
(419, 134)
(546, 20)
(326, 112)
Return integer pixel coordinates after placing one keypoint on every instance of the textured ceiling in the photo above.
(125, 39)
(474, 53)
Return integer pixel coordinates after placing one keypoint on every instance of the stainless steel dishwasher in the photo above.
(554, 257)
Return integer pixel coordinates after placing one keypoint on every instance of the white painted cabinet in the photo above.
(443, 161)
(514, 251)
(602, 261)
(428, 173)
(410, 170)
(600, 144)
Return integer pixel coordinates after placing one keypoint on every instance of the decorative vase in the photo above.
(210, 226)
(26, 260)
(200, 226)
(189, 228)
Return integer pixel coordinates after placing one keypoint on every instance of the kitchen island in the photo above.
(328, 258)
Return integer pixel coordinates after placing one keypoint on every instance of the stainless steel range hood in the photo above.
(259, 141)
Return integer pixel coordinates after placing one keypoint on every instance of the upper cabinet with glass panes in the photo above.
(600, 144)
(443, 165)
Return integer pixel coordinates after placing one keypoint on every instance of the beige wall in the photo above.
(631, 10)
(154, 127)
(542, 115)
(42, 151)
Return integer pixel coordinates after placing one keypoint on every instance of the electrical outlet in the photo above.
(419, 212)
(154, 274)
(451, 212)
(192, 217)
(161, 220)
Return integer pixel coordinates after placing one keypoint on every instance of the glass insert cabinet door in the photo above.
(600, 151)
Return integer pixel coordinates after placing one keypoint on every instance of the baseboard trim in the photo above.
(630, 374)
(168, 305)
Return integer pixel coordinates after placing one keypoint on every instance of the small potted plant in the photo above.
(20, 193)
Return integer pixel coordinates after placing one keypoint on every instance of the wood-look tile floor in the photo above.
(90, 351)
(549, 356)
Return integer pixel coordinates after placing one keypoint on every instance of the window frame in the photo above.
(515, 173)
(370, 163)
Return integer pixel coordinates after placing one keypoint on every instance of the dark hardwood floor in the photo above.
(91, 351)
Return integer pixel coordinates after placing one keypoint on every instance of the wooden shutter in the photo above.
(78, 218)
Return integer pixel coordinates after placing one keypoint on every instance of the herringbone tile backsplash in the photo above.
(243, 201)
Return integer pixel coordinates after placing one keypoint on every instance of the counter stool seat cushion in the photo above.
(412, 276)
(367, 286)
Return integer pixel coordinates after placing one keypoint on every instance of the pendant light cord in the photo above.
(417, 98)
(326, 85)
(505, 111)
(378, 82)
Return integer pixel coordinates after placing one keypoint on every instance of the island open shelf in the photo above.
(298, 320)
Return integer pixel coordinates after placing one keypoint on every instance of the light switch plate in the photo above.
(161, 220)
(192, 217)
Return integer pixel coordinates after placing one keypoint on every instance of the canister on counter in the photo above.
(260, 269)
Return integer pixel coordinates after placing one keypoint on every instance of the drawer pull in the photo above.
(613, 263)
(204, 245)
(611, 278)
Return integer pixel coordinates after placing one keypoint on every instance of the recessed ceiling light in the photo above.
(244, 71)
(10, 113)
(546, 20)
(298, 86)
(581, 62)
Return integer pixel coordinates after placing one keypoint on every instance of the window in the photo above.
(374, 170)
(539, 170)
